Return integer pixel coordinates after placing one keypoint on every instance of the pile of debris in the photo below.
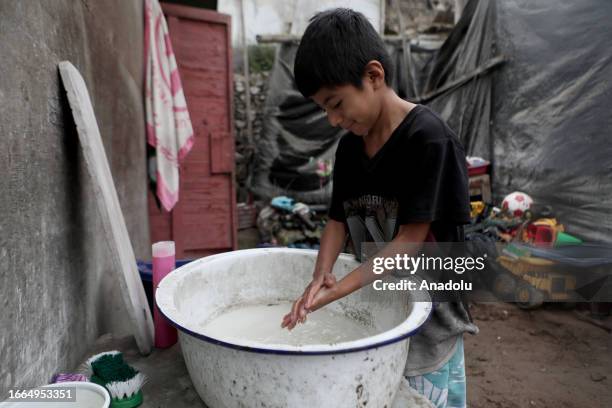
(285, 222)
(518, 219)
(532, 259)
(429, 16)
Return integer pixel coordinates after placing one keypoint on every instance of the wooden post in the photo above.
(405, 50)
(245, 72)
(295, 39)
(383, 13)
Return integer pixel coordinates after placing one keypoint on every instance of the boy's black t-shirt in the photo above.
(418, 175)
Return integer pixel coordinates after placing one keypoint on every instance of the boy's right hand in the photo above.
(304, 303)
(323, 280)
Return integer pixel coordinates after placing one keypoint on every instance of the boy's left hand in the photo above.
(324, 295)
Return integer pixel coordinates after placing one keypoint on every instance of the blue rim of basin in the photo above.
(428, 310)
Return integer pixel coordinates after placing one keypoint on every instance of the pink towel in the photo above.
(168, 125)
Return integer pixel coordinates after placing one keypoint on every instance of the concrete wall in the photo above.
(58, 289)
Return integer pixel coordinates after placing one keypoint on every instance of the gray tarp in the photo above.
(543, 118)
(297, 134)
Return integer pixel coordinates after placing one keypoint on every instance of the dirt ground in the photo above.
(541, 358)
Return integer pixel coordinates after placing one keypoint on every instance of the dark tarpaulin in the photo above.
(297, 135)
(467, 109)
(552, 120)
(542, 118)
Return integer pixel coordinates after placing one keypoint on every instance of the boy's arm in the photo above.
(332, 243)
(408, 241)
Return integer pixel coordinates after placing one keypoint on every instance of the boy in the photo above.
(400, 177)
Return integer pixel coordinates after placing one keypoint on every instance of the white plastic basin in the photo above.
(242, 373)
(88, 395)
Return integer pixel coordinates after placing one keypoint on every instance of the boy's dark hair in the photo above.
(335, 49)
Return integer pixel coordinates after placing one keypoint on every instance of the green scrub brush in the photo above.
(123, 382)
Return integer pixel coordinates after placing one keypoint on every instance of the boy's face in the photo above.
(349, 107)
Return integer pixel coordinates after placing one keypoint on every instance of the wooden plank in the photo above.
(462, 80)
(108, 204)
(206, 221)
(295, 39)
(230, 129)
(481, 184)
(212, 110)
(205, 83)
(191, 51)
(193, 13)
(195, 170)
(221, 153)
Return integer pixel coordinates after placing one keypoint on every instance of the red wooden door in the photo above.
(204, 219)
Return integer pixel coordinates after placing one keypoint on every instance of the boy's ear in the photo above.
(375, 74)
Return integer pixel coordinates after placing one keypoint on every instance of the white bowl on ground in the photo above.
(88, 395)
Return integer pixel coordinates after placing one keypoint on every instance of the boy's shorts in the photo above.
(445, 387)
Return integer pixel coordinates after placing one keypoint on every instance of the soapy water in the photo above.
(262, 324)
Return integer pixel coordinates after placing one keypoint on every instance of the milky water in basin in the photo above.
(261, 323)
(350, 353)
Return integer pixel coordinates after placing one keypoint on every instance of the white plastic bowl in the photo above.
(88, 395)
(348, 374)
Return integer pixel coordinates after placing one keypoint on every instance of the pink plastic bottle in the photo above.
(163, 264)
